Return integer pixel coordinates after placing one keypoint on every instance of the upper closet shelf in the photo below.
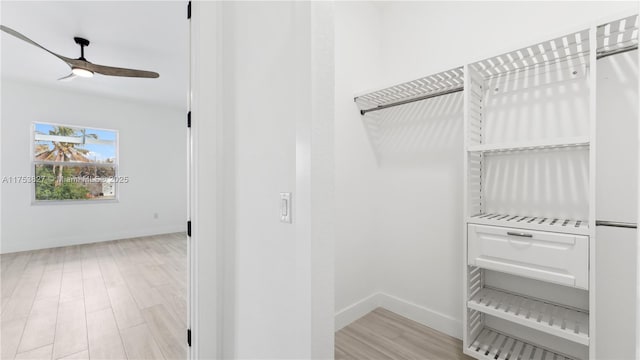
(568, 50)
(579, 141)
(446, 82)
(617, 36)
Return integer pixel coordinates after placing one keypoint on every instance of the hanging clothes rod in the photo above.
(616, 224)
(604, 54)
(408, 101)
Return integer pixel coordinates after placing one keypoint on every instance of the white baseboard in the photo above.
(425, 316)
(355, 311)
(53, 242)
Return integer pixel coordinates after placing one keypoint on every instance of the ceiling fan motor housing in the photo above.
(82, 42)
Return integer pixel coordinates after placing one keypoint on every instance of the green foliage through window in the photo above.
(74, 163)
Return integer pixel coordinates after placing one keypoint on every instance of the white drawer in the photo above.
(552, 257)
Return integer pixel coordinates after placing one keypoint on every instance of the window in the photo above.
(74, 164)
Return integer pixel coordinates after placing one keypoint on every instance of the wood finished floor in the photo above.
(382, 334)
(122, 299)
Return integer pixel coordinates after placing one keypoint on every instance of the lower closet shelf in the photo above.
(541, 223)
(553, 319)
(493, 345)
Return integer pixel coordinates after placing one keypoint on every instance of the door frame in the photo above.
(205, 183)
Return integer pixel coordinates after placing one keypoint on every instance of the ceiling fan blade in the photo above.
(12, 32)
(68, 77)
(116, 71)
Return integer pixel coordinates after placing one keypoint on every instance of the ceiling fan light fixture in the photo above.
(82, 67)
(82, 72)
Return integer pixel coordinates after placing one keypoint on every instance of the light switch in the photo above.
(285, 207)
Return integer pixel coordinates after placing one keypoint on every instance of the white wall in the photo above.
(410, 218)
(152, 154)
(260, 66)
(357, 65)
(422, 38)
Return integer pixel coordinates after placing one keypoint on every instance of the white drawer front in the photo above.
(552, 257)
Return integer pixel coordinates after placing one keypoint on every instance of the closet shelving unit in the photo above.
(529, 109)
(551, 249)
(529, 212)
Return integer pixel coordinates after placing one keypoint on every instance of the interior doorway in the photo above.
(94, 248)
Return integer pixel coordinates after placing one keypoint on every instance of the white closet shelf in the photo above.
(491, 345)
(572, 48)
(553, 319)
(442, 83)
(579, 141)
(617, 36)
(541, 223)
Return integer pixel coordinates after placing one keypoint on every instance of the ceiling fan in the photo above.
(82, 67)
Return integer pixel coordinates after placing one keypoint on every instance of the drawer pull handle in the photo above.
(519, 234)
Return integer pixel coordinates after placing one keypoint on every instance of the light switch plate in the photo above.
(285, 207)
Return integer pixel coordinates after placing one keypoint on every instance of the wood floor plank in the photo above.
(4, 300)
(104, 337)
(96, 296)
(71, 328)
(50, 284)
(140, 344)
(41, 353)
(124, 307)
(110, 272)
(10, 334)
(144, 295)
(72, 259)
(382, 334)
(41, 324)
(175, 273)
(354, 348)
(165, 332)
(19, 305)
(13, 268)
(37, 262)
(56, 260)
(71, 288)
(154, 275)
(82, 355)
(90, 267)
(175, 299)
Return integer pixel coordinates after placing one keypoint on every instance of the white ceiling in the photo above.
(141, 35)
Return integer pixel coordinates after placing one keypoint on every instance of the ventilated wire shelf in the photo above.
(617, 36)
(564, 322)
(446, 82)
(491, 344)
(545, 144)
(573, 48)
(532, 222)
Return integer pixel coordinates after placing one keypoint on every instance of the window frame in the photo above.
(33, 163)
